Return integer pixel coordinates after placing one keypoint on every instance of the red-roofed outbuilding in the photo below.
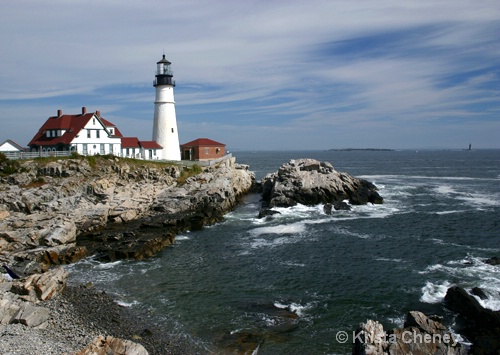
(203, 149)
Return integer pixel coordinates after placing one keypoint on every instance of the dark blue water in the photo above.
(440, 219)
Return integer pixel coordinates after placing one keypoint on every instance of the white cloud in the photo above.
(255, 59)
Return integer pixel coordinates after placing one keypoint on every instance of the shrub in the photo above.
(92, 160)
(3, 158)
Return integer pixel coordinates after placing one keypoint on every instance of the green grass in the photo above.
(188, 172)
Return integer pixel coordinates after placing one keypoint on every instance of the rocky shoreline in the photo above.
(56, 212)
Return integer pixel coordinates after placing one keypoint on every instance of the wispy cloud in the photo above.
(294, 74)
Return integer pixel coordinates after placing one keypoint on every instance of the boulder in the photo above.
(495, 260)
(62, 234)
(42, 286)
(266, 212)
(15, 310)
(310, 182)
(480, 325)
(111, 345)
(420, 335)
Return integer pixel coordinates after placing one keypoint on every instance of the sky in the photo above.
(261, 75)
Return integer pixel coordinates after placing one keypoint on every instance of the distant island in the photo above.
(361, 149)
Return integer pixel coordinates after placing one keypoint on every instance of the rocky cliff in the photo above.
(49, 208)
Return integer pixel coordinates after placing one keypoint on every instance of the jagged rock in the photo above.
(420, 335)
(480, 325)
(31, 316)
(40, 222)
(477, 291)
(4, 214)
(41, 286)
(266, 212)
(110, 345)
(62, 234)
(495, 260)
(310, 182)
(15, 310)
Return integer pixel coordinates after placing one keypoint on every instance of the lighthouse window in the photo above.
(172, 130)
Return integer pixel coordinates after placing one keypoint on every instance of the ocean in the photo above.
(290, 283)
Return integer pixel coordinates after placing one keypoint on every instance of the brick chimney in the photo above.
(84, 110)
(98, 113)
(59, 113)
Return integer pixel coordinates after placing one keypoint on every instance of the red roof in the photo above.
(203, 142)
(150, 145)
(130, 142)
(116, 132)
(73, 124)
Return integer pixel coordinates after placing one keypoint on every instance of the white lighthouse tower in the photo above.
(165, 123)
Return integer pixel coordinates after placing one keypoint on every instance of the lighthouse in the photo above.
(165, 123)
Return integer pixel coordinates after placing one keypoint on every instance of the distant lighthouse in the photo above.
(165, 122)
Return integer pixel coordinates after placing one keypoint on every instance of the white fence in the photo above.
(31, 155)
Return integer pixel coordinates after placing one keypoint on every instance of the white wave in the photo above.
(127, 304)
(406, 177)
(345, 231)
(296, 308)
(182, 237)
(434, 292)
(444, 190)
(106, 266)
(442, 242)
(290, 263)
(480, 200)
(449, 212)
(273, 242)
(398, 321)
(294, 228)
(391, 260)
(470, 272)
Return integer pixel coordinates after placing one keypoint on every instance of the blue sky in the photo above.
(261, 74)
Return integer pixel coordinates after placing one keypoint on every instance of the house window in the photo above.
(102, 149)
(111, 131)
(128, 151)
(93, 121)
(111, 149)
(88, 133)
(85, 150)
(97, 134)
(206, 151)
(217, 150)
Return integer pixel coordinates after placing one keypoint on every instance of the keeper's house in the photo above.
(88, 133)
(202, 149)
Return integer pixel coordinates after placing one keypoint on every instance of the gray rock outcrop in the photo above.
(110, 345)
(310, 182)
(420, 335)
(46, 208)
